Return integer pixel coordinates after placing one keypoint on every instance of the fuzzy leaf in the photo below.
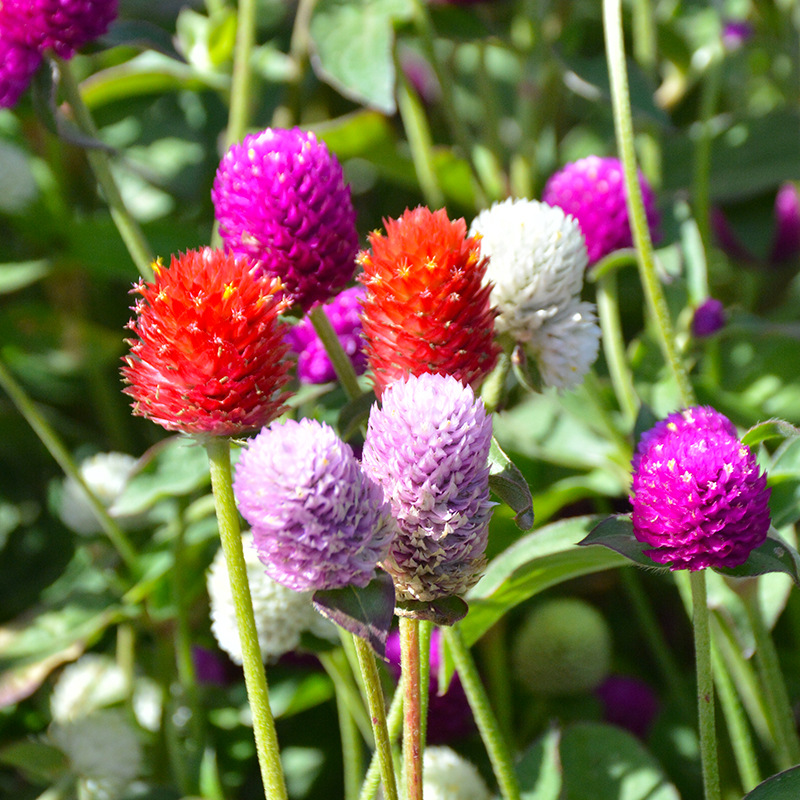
(508, 483)
(771, 429)
(774, 555)
(616, 533)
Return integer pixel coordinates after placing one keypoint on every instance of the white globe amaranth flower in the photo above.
(537, 259)
(282, 614)
(104, 752)
(566, 346)
(106, 474)
(448, 776)
(92, 682)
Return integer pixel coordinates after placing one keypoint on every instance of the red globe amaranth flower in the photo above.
(210, 354)
(427, 308)
(699, 499)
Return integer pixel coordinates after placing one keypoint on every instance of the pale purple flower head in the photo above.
(344, 312)
(18, 63)
(280, 199)
(428, 447)
(63, 26)
(699, 498)
(708, 318)
(318, 522)
(735, 33)
(593, 191)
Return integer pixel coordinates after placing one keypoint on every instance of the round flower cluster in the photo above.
(90, 683)
(344, 312)
(448, 776)
(699, 498)
(318, 521)
(593, 191)
(29, 28)
(537, 261)
(282, 615)
(428, 448)
(280, 199)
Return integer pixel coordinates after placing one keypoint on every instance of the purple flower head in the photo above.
(280, 198)
(428, 447)
(699, 498)
(344, 312)
(63, 26)
(593, 191)
(318, 522)
(708, 318)
(449, 714)
(629, 703)
(735, 34)
(18, 63)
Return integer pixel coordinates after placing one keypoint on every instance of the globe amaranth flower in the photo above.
(92, 682)
(427, 307)
(280, 198)
(318, 522)
(18, 63)
(699, 498)
(629, 703)
(428, 446)
(448, 776)
(104, 752)
(282, 615)
(562, 648)
(537, 261)
(210, 354)
(708, 318)
(344, 313)
(593, 191)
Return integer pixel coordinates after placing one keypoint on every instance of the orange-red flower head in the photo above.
(210, 354)
(427, 307)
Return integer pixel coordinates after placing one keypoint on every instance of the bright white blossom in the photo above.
(537, 261)
(103, 750)
(448, 776)
(92, 682)
(106, 474)
(282, 614)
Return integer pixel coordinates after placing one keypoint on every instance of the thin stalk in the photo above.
(705, 686)
(219, 459)
(336, 666)
(775, 694)
(425, 633)
(496, 746)
(352, 748)
(288, 112)
(623, 123)
(128, 227)
(412, 724)
(394, 721)
(494, 652)
(50, 439)
(377, 711)
(342, 364)
(241, 83)
(644, 36)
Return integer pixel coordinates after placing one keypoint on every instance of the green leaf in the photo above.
(783, 786)
(774, 555)
(616, 533)
(771, 429)
(444, 611)
(539, 769)
(508, 483)
(17, 276)
(299, 693)
(546, 557)
(353, 43)
(366, 612)
(353, 414)
(41, 761)
(603, 762)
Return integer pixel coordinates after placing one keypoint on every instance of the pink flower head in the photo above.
(18, 63)
(699, 498)
(593, 191)
(280, 198)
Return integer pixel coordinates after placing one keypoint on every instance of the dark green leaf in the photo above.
(508, 483)
(526, 371)
(771, 429)
(774, 555)
(41, 761)
(783, 786)
(616, 533)
(444, 611)
(354, 414)
(364, 612)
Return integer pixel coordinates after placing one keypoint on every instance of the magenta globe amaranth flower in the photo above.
(18, 63)
(699, 498)
(708, 318)
(280, 198)
(344, 313)
(593, 191)
(318, 522)
(428, 447)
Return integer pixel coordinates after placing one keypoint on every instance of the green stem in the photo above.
(219, 459)
(342, 364)
(644, 36)
(425, 633)
(288, 113)
(58, 451)
(128, 227)
(657, 304)
(412, 723)
(494, 651)
(775, 694)
(496, 746)
(352, 752)
(241, 83)
(337, 666)
(705, 686)
(377, 710)
(394, 722)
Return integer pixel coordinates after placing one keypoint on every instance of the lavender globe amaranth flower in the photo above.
(280, 198)
(699, 498)
(318, 522)
(428, 447)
